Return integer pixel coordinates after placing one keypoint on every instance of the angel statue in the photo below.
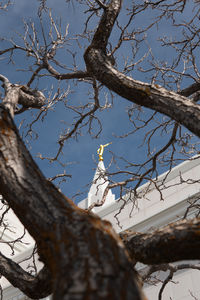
(101, 150)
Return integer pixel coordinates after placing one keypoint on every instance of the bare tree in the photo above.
(83, 257)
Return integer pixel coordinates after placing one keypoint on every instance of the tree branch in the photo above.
(59, 76)
(104, 29)
(35, 287)
(193, 88)
(5, 81)
(20, 94)
(101, 4)
(177, 241)
(154, 97)
(146, 272)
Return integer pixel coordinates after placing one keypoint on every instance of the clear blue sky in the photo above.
(80, 156)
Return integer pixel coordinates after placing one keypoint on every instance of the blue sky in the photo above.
(79, 156)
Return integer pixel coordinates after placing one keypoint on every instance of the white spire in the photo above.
(99, 184)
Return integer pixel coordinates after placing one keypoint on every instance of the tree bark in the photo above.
(177, 241)
(86, 258)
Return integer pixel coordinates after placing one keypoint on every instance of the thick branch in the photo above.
(174, 105)
(5, 81)
(157, 98)
(193, 88)
(20, 94)
(35, 287)
(177, 241)
(31, 98)
(102, 34)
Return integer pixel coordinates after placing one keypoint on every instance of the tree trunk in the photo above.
(86, 258)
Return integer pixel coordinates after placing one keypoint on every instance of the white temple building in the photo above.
(146, 213)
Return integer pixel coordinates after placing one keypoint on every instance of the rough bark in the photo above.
(177, 241)
(155, 97)
(20, 94)
(86, 258)
(35, 287)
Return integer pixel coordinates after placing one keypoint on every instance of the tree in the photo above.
(83, 257)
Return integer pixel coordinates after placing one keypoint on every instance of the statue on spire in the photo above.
(101, 150)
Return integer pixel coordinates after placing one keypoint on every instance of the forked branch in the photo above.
(20, 94)
(155, 97)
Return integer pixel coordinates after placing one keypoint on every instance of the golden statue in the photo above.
(101, 149)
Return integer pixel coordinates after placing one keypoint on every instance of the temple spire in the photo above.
(100, 183)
